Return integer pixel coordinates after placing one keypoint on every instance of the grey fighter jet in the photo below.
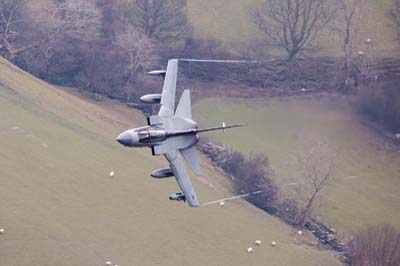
(172, 133)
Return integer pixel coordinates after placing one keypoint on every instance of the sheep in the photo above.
(250, 249)
(258, 242)
(273, 243)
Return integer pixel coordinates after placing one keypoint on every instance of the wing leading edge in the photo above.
(169, 88)
(178, 168)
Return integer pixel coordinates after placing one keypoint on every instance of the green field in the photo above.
(367, 175)
(230, 22)
(59, 206)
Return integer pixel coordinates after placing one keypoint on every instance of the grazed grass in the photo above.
(367, 176)
(230, 22)
(60, 207)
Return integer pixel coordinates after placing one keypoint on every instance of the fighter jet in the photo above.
(172, 133)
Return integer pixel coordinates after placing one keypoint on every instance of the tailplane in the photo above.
(190, 155)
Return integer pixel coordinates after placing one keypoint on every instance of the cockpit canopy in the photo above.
(146, 135)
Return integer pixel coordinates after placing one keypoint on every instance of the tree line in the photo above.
(294, 202)
(96, 45)
(105, 47)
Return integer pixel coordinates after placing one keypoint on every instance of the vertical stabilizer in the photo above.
(184, 109)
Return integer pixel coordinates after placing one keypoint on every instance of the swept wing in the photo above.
(178, 168)
(172, 148)
(169, 88)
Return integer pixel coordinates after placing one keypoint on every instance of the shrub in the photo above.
(376, 245)
(381, 103)
(254, 175)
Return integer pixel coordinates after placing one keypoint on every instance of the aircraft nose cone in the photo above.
(125, 138)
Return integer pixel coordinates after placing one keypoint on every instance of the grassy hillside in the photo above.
(60, 207)
(230, 21)
(367, 176)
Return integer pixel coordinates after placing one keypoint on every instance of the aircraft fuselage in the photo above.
(142, 136)
(149, 136)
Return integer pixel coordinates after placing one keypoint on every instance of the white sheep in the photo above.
(221, 204)
(300, 232)
(258, 242)
(112, 173)
(108, 263)
(250, 249)
(2, 231)
(273, 243)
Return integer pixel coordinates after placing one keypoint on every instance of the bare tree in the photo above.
(345, 27)
(10, 19)
(72, 19)
(376, 245)
(163, 20)
(70, 23)
(293, 24)
(79, 19)
(139, 51)
(253, 175)
(103, 74)
(315, 163)
(394, 14)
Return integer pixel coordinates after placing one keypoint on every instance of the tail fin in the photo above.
(184, 108)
